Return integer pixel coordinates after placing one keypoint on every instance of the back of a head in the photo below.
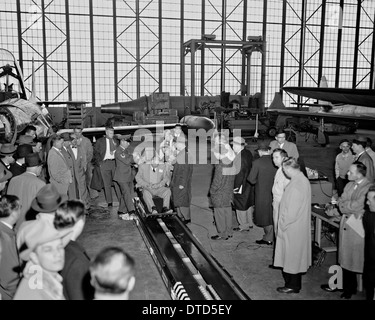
(8, 203)
(112, 273)
(68, 213)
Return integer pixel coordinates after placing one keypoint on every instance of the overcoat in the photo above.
(293, 242)
(262, 176)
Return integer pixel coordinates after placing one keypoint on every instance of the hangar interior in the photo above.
(100, 52)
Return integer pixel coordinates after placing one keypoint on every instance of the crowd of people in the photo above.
(47, 187)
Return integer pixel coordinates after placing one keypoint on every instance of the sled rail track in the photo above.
(187, 270)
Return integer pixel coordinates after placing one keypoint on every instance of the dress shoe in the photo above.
(237, 229)
(230, 236)
(346, 295)
(287, 290)
(268, 243)
(166, 210)
(271, 266)
(327, 288)
(217, 237)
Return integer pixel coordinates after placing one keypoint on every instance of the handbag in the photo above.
(318, 254)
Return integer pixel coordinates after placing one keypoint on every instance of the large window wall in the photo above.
(103, 51)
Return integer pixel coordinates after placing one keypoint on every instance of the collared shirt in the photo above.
(75, 152)
(108, 155)
(358, 155)
(7, 224)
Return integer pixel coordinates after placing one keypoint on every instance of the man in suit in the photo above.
(68, 154)
(281, 143)
(369, 262)
(76, 277)
(85, 147)
(153, 178)
(351, 248)
(59, 172)
(359, 148)
(10, 265)
(243, 198)
(262, 175)
(27, 185)
(104, 157)
(18, 167)
(181, 182)
(7, 151)
(293, 242)
(123, 177)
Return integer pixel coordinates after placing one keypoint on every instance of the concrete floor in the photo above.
(246, 261)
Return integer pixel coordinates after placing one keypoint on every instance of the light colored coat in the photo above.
(293, 243)
(351, 244)
(25, 187)
(51, 288)
(59, 172)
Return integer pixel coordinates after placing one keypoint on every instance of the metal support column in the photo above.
(192, 72)
(138, 49)
(339, 37)
(321, 44)
(182, 52)
(372, 70)
(92, 49)
(203, 31)
(356, 43)
(19, 31)
(264, 60)
(68, 53)
(160, 46)
(248, 56)
(115, 62)
(223, 49)
(302, 48)
(244, 35)
(282, 56)
(44, 51)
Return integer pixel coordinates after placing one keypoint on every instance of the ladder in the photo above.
(76, 114)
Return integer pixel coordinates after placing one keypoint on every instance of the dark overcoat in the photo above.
(182, 176)
(261, 176)
(221, 190)
(243, 164)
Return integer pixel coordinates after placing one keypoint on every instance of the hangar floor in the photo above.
(246, 261)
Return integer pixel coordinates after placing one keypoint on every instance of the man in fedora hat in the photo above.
(44, 254)
(7, 151)
(243, 198)
(18, 167)
(45, 204)
(27, 185)
(123, 177)
(261, 176)
(60, 174)
(5, 175)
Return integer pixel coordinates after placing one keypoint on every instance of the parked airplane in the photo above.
(338, 111)
(16, 111)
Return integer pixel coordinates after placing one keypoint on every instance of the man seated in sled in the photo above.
(154, 178)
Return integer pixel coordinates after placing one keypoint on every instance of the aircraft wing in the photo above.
(330, 115)
(359, 97)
